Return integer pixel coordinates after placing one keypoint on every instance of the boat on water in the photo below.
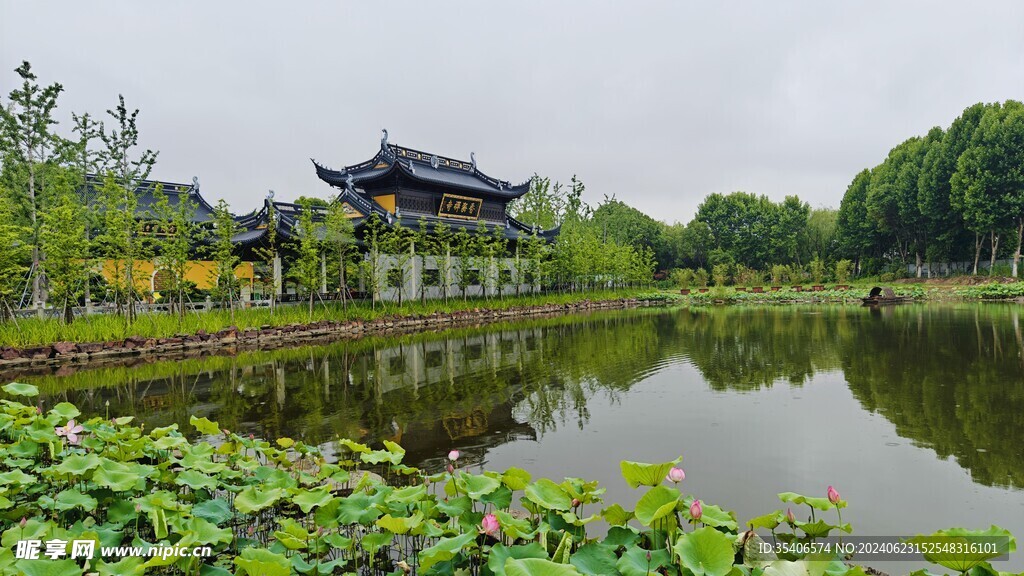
(879, 296)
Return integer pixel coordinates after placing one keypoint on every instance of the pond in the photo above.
(915, 413)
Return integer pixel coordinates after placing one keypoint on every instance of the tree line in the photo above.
(949, 195)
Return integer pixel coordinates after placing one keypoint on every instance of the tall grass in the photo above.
(105, 327)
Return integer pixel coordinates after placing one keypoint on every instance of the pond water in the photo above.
(915, 413)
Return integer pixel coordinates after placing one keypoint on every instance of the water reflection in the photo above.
(948, 377)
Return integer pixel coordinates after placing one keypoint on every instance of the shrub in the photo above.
(700, 276)
(843, 270)
(720, 274)
(683, 278)
(818, 270)
(779, 274)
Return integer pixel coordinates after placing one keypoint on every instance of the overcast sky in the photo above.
(658, 103)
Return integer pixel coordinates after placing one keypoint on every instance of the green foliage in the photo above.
(65, 244)
(843, 269)
(225, 259)
(281, 507)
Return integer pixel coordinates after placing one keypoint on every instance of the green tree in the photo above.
(340, 238)
(175, 237)
(541, 206)
(225, 260)
(29, 150)
(465, 252)
(857, 236)
(16, 253)
(268, 255)
(396, 244)
(986, 176)
(307, 268)
(373, 232)
(125, 171)
(65, 243)
(86, 161)
(441, 240)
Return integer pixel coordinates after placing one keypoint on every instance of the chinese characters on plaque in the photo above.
(453, 206)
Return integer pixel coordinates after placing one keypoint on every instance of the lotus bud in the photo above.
(453, 455)
(251, 436)
(833, 495)
(138, 507)
(576, 503)
(489, 525)
(648, 556)
(676, 475)
(790, 518)
(450, 468)
(23, 522)
(696, 510)
(39, 410)
(225, 431)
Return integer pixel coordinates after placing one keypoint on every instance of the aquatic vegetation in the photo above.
(994, 291)
(280, 507)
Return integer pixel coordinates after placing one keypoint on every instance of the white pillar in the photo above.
(277, 274)
(323, 272)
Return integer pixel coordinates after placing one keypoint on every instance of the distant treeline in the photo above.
(947, 196)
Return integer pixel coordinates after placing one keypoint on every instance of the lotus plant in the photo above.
(71, 430)
(675, 475)
(490, 525)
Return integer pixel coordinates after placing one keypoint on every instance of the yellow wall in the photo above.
(386, 202)
(200, 272)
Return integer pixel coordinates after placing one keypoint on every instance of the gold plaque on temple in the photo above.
(349, 211)
(454, 206)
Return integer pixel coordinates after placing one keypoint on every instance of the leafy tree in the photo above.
(339, 236)
(176, 235)
(621, 223)
(85, 161)
(441, 241)
(14, 256)
(542, 206)
(843, 269)
(268, 255)
(498, 248)
(124, 174)
(985, 176)
(65, 243)
(819, 237)
(465, 251)
(225, 260)
(857, 236)
(30, 149)
(373, 233)
(306, 269)
(396, 244)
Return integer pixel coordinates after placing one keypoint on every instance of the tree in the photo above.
(269, 256)
(29, 147)
(222, 252)
(541, 206)
(465, 251)
(942, 210)
(442, 244)
(175, 233)
(65, 243)
(85, 162)
(498, 245)
(396, 243)
(621, 223)
(13, 257)
(371, 265)
(986, 176)
(122, 242)
(857, 235)
(125, 171)
(339, 237)
(819, 237)
(306, 269)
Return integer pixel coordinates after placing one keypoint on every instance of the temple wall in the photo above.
(200, 271)
(449, 267)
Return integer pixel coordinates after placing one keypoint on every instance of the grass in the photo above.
(107, 327)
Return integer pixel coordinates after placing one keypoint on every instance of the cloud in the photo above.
(658, 103)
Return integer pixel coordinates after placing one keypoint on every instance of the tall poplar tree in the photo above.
(30, 147)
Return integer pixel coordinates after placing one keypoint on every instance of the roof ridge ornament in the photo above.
(384, 139)
(434, 161)
(348, 180)
(472, 159)
(195, 182)
(270, 194)
(413, 168)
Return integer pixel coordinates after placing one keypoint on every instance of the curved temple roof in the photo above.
(424, 167)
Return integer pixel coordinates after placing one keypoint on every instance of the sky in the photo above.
(655, 103)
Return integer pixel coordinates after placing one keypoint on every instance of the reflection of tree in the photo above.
(746, 349)
(948, 378)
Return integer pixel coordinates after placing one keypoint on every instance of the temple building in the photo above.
(401, 186)
(406, 185)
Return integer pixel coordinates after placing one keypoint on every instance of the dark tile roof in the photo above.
(422, 166)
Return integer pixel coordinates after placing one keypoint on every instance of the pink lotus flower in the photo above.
(24, 522)
(790, 518)
(489, 525)
(71, 430)
(696, 510)
(676, 475)
(453, 455)
(833, 495)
